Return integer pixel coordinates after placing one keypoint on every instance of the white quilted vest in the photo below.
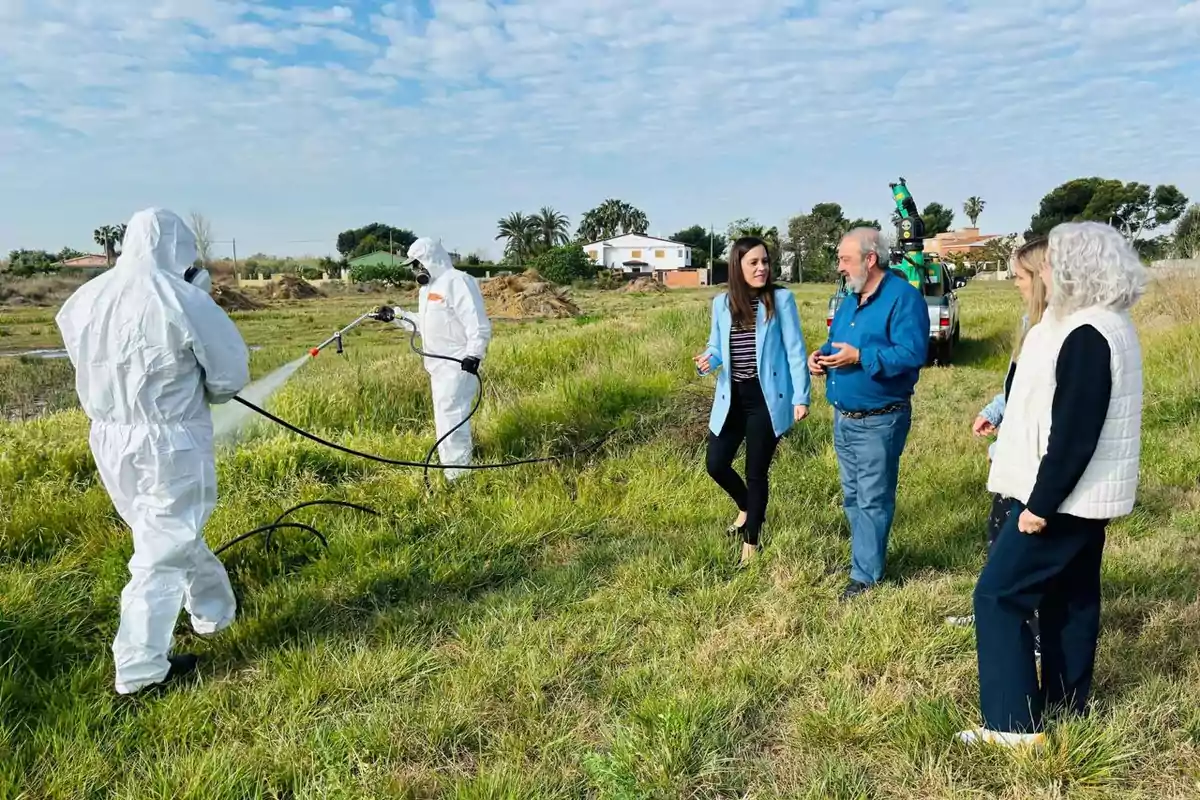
(1108, 487)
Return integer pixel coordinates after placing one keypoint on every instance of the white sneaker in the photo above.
(984, 736)
(964, 622)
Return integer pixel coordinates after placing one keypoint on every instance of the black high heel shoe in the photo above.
(735, 530)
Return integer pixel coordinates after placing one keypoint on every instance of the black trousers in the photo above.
(1001, 508)
(1057, 574)
(748, 420)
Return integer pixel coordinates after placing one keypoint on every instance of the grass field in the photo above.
(579, 629)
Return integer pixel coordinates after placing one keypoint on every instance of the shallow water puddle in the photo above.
(60, 353)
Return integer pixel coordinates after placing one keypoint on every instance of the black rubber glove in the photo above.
(471, 364)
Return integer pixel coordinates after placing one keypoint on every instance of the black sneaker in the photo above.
(853, 589)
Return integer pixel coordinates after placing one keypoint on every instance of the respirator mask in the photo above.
(420, 273)
(199, 277)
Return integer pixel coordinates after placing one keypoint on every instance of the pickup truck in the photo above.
(943, 318)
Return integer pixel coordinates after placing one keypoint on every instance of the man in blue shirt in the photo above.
(878, 341)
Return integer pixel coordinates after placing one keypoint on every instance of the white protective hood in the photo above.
(432, 255)
(157, 239)
(146, 345)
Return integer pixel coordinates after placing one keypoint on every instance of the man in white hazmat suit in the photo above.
(151, 350)
(452, 321)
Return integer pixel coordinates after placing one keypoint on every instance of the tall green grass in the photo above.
(580, 629)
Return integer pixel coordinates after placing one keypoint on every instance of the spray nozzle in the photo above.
(384, 314)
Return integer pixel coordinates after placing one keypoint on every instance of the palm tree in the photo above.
(109, 237)
(551, 227)
(612, 218)
(520, 233)
(973, 208)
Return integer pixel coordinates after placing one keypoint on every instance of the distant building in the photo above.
(90, 264)
(636, 254)
(380, 258)
(956, 242)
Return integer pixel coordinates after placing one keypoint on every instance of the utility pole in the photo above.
(237, 278)
(711, 231)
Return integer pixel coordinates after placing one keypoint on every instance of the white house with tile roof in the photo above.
(640, 254)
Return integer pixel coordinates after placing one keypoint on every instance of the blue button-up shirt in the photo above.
(891, 332)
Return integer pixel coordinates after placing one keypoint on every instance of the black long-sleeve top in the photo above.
(1081, 396)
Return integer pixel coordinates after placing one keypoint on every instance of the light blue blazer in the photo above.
(782, 360)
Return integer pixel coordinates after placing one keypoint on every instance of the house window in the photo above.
(660, 253)
(680, 253)
(636, 254)
(592, 254)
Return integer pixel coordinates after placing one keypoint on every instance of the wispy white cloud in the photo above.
(696, 110)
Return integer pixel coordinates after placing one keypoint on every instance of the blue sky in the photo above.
(287, 122)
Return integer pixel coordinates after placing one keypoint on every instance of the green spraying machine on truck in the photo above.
(908, 260)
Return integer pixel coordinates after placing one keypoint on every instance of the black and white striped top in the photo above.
(743, 350)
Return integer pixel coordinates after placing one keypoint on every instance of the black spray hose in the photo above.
(427, 464)
(279, 524)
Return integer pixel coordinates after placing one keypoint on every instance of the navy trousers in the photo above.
(1057, 574)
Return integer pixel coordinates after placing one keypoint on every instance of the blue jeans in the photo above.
(868, 452)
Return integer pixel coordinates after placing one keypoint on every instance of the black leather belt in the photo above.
(875, 412)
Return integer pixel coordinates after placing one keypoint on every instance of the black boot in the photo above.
(181, 665)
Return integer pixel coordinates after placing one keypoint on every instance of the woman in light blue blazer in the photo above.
(757, 351)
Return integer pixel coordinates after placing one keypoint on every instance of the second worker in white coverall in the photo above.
(151, 349)
(452, 321)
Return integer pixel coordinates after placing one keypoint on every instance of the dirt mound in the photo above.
(291, 287)
(644, 285)
(526, 295)
(232, 299)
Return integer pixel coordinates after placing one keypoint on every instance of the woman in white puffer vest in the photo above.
(1068, 454)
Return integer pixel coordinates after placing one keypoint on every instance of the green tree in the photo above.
(67, 253)
(26, 263)
(329, 267)
(994, 255)
(390, 274)
(521, 235)
(564, 264)
(813, 240)
(700, 240)
(1186, 241)
(611, 218)
(552, 228)
(1132, 208)
(110, 237)
(382, 237)
(937, 219)
(864, 223)
(750, 227)
(973, 208)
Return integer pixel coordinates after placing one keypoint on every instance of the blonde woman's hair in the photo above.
(1031, 258)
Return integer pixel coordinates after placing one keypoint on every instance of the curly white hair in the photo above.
(1092, 264)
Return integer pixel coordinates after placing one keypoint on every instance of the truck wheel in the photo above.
(945, 352)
